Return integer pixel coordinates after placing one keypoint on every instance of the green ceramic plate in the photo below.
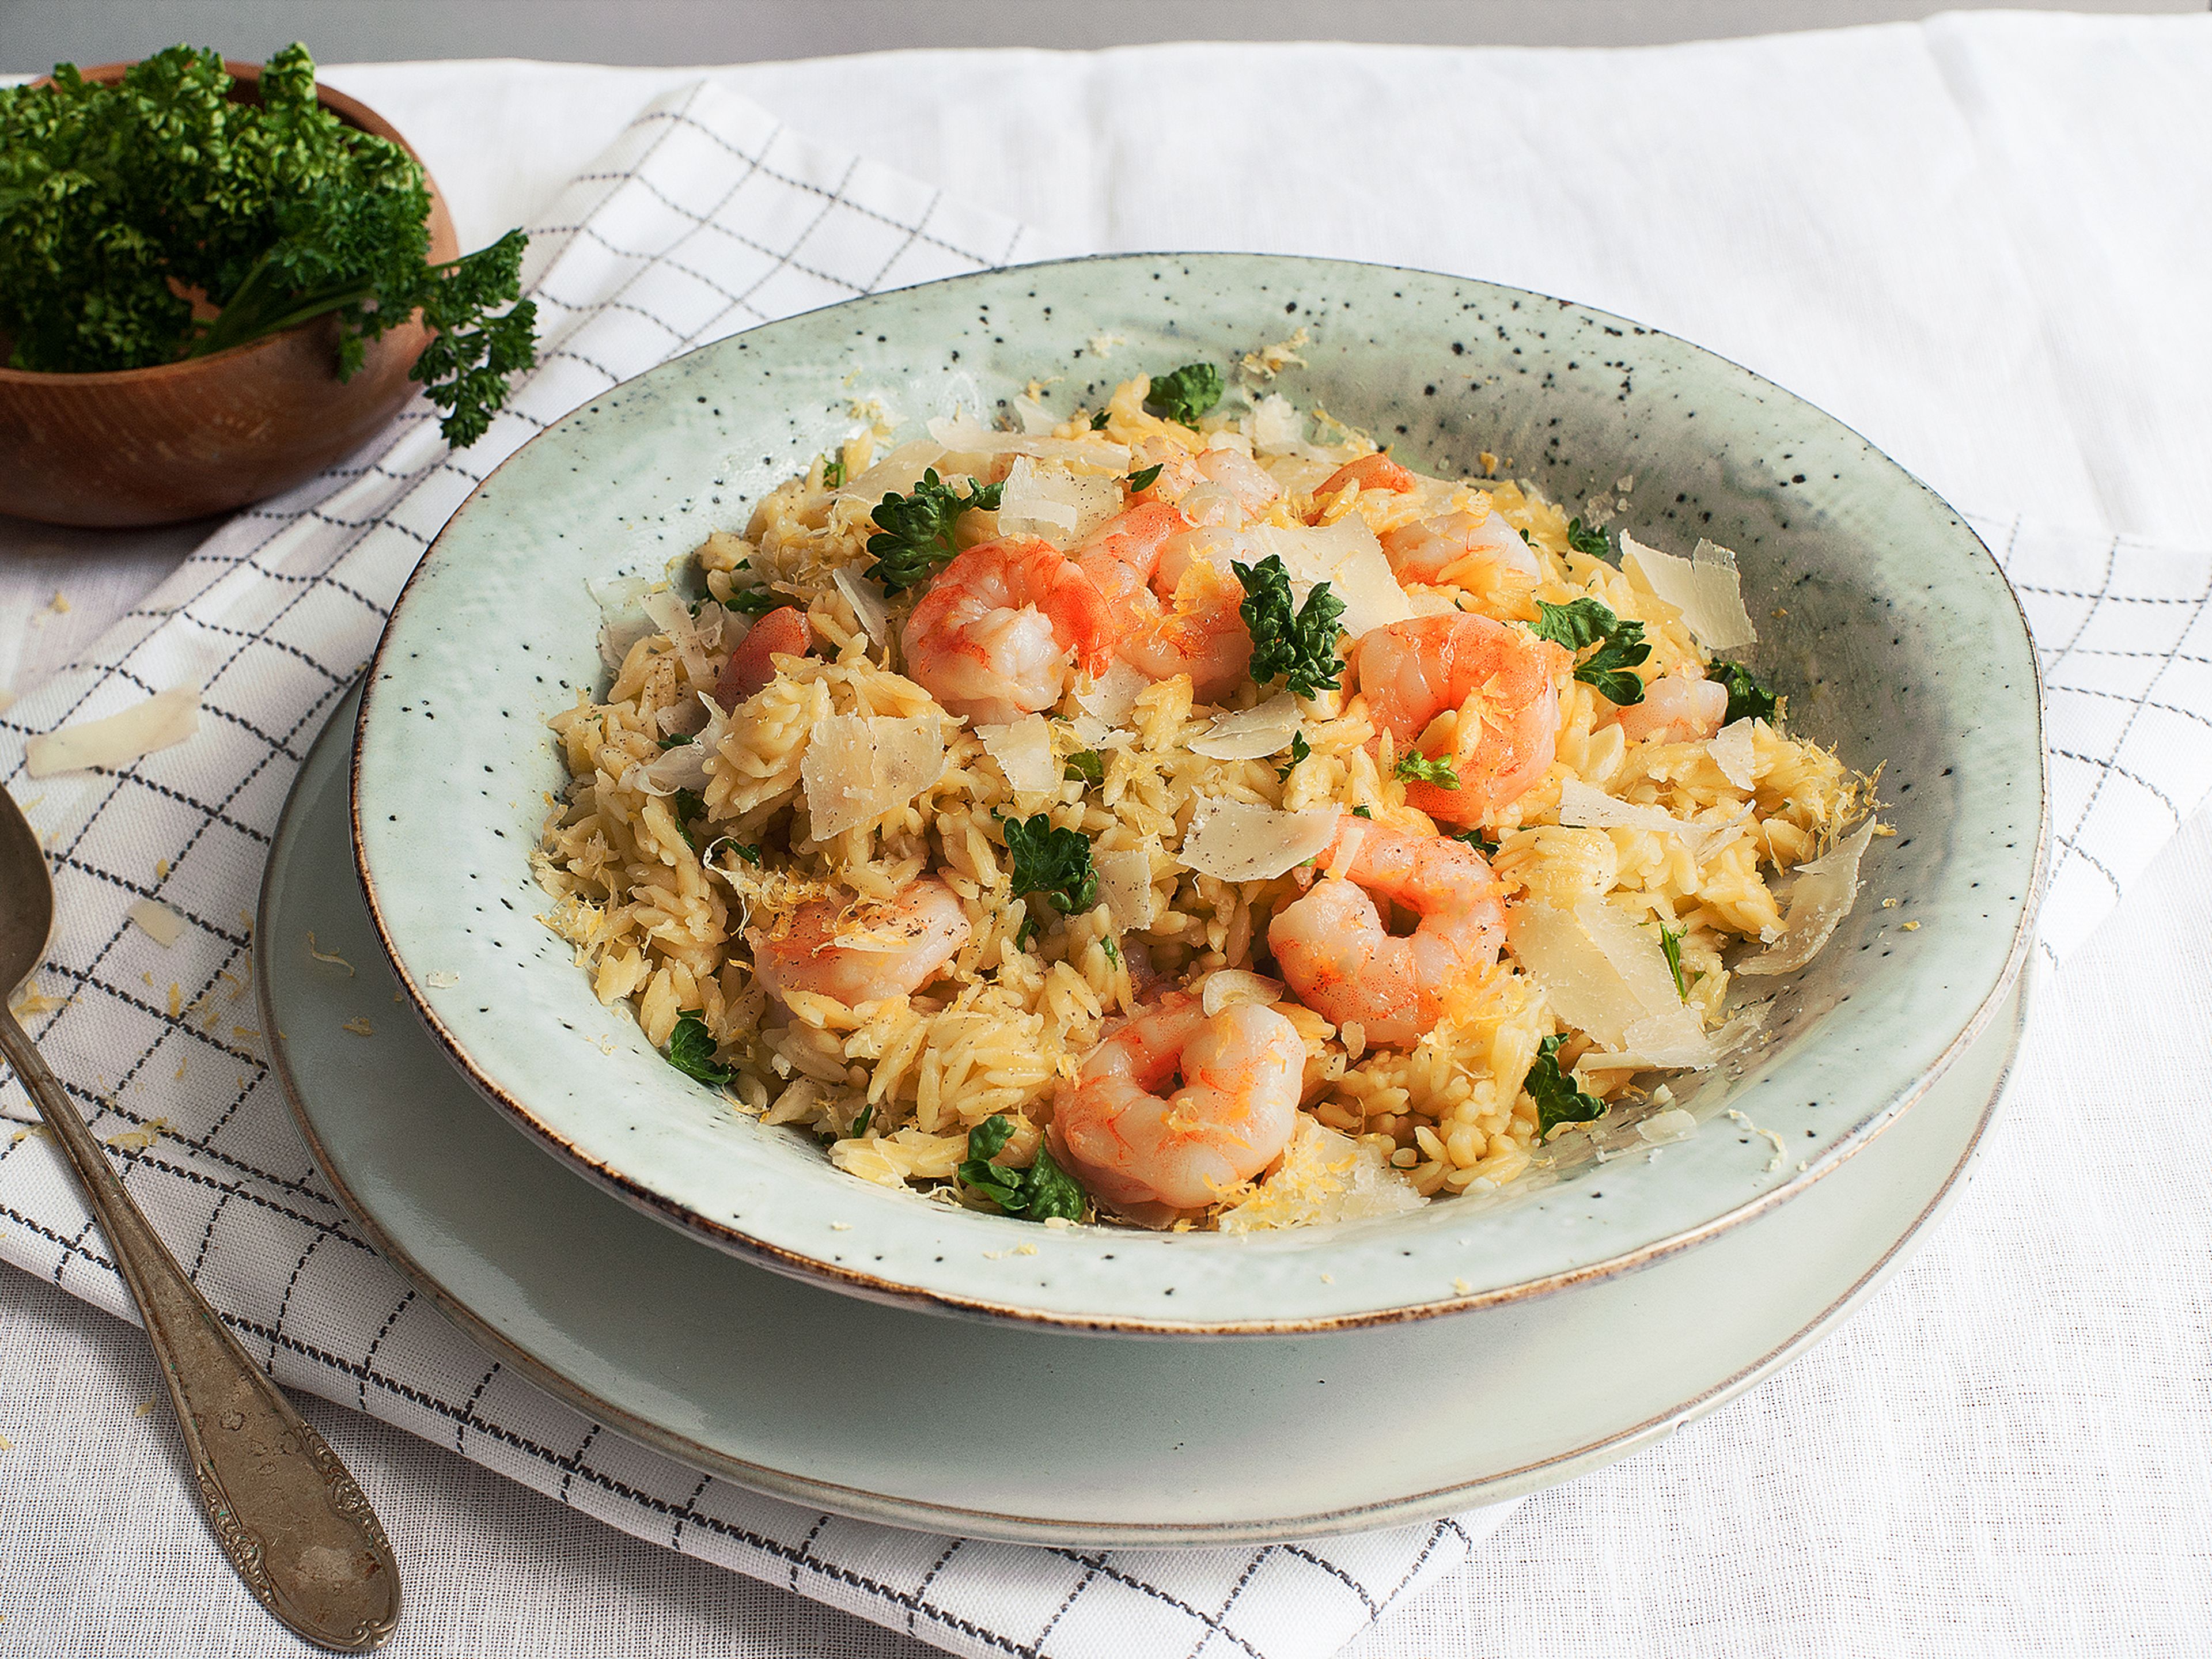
(1883, 618)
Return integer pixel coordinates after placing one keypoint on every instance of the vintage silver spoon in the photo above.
(291, 1519)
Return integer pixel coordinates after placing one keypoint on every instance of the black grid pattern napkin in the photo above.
(706, 217)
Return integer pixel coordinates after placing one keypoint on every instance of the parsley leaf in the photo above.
(687, 804)
(1054, 862)
(1186, 394)
(1748, 698)
(1474, 838)
(118, 201)
(691, 1050)
(1085, 765)
(1417, 767)
(1040, 1192)
(1670, 944)
(1620, 646)
(860, 1129)
(1298, 646)
(1528, 538)
(1141, 481)
(1098, 421)
(1113, 951)
(751, 855)
(759, 601)
(914, 532)
(676, 742)
(1582, 540)
(833, 472)
(1361, 813)
(1558, 1100)
(1299, 749)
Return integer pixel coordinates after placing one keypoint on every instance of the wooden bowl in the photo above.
(178, 440)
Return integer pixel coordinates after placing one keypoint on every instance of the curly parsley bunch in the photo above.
(118, 202)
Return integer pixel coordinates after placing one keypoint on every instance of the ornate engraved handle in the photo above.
(292, 1520)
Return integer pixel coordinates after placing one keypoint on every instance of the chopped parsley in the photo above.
(1098, 421)
(860, 1124)
(1528, 538)
(1113, 951)
(759, 601)
(1186, 394)
(1299, 749)
(914, 532)
(1620, 646)
(1026, 932)
(1054, 862)
(1298, 646)
(1038, 1193)
(1670, 944)
(1558, 1100)
(1584, 540)
(687, 804)
(1474, 838)
(677, 742)
(1748, 698)
(691, 1050)
(751, 855)
(1141, 481)
(833, 474)
(1361, 813)
(1416, 768)
(1085, 765)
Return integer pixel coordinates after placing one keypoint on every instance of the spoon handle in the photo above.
(292, 1520)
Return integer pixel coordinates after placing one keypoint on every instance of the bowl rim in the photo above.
(353, 113)
(799, 1263)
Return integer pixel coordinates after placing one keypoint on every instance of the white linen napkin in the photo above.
(705, 217)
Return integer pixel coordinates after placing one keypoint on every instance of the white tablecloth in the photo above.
(1972, 241)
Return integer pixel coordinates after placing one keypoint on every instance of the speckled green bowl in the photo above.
(1884, 619)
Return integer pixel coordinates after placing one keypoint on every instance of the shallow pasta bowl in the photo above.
(1884, 619)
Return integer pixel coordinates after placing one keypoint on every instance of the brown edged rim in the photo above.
(873, 1506)
(778, 1258)
(353, 113)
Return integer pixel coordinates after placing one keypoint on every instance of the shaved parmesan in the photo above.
(1821, 898)
(164, 720)
(1050, 501)
(622, 621)
(1672, 1124)
(1112, 696)
(1278, 428)
(1705, 587)
(1023, 752)
(683, 767)
(963, 434)
(1607, 976)
(1583, 807)
(1227, 987)
(867, 599)
(1036, 420)
(1125, 885)
(160, 924)
(1267, 730)
(1346, 555)
(859, 767)
(1240, 841)
(1323, 1177)
(1732, 751)
(691, 638)
(897, 474)
(1094, 733)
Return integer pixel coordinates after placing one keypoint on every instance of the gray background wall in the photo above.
(36, 33)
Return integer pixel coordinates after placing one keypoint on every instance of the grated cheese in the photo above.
(1267, 730)
(331, 957)
(158, 921)
(1820, 899)
(1322, 1176)
(1023, 752)
(1240, 840)
(161, 722)
(859, 767)
(1705, 587)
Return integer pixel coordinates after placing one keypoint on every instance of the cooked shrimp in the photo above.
(1376, 471)
(898, 947)
(993, 637)
(1189, 622)
(781, 632)
(1241, 1071)
(1178, 468)
(1676, 710)
(1335, 947)
(1494, 683)
(1464, 549)
(1244, 478)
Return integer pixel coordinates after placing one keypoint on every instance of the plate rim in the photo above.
(738, 1241)
(922, 1514)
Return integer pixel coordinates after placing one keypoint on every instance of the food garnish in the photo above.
(1042, 1191)
(1054, 862)
(1558, 1100)
(1296, 646)
(914, 532)
(1187, 394)
(1620, 645)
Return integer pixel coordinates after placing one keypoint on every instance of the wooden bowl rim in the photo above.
(353, 113)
